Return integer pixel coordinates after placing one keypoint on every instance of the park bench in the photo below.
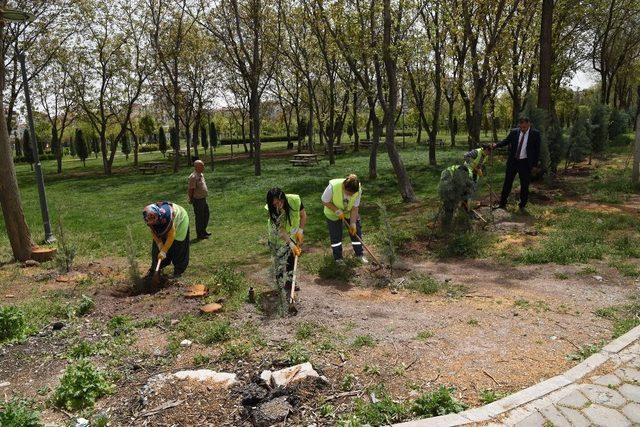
(305, 159)
(153, 167)
(365, 143)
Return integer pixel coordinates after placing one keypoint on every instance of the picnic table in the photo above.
(337, 149)
(152, 167)
(305, 159)
(365, 143)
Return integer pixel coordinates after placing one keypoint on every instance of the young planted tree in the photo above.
(81, 147)
(162, 141)
(17, 146)
(95, 146)
(126, 146)
(72, 147)
(174, 139)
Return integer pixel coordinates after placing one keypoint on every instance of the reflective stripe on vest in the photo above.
(337, 199)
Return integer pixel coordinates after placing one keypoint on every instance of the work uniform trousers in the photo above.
(335, 234)
(522, 169)
(178, 255)
(201, 210)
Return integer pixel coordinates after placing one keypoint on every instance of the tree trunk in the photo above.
(136, 148)
(375, 141)
(354, 123)
(635, 175)
(103, 148)
(255, 128)
(452, 131)
(187, 134)
(546, 56)
(419, 136)
(14, 221)
(57, 146)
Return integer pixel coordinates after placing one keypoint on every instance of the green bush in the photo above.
(599, 127)
(81, 385)
(330, 270)
(18, 413)
(618, 123)
(217, 331)
(81, 350)
(381, 413)
(12, 323)
(463, 245)
(622, 140)
(148, 148)
(85, 305)
(438, 402)
(424, 283)
(232, 282)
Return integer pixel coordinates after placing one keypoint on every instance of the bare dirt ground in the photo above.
(492, 325)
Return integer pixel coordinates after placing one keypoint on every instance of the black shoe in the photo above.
(207, 233)
(206, 236)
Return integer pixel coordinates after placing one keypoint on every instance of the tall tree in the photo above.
(247, 32)
(162, 141)
(81, 147)
(546, 56)
(14, 221)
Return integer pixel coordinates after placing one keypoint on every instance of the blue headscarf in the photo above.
(163, 215)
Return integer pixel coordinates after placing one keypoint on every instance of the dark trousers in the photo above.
(201, 209)
(178, 255)
(522, 169)
(335, 234)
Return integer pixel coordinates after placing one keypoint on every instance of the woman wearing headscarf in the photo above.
(169, 225)
(287, 219)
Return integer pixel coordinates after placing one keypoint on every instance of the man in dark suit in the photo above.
(524, 155)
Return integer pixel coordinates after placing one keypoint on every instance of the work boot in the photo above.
(363, 259)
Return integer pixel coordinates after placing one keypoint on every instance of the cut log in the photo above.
(43, 254)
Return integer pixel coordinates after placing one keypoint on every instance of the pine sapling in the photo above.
(66, 251)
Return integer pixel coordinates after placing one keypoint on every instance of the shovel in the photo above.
(156, 275)
(373, 257)
(292, 307)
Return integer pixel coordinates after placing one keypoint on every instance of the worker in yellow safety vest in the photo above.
(341, 200)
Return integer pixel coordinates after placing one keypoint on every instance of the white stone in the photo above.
(602, 395)
(82, 422)
(632, 411)
(598, 278)
(630, 391)
(222, 378)
(286, 376)
(605, 417)
(552, 414)
(574, 400)
(576, 418)
(266, 376)
(608, 380)
(186, 343)
(628, 374)
(533, 420)
(5, 384)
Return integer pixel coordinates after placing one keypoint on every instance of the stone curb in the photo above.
(488, 412)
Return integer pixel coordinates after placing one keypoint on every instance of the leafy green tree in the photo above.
(148, 126)
(72, 148)
(579, 143)
(175, 139)
(81, 147)
(213, 140)
(18, 146)
(26, 148)
(95, 146)
(162, 141)
(599, 128)
(618, 124)
(126, 146)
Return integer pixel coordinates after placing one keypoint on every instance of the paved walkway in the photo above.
(604, 390)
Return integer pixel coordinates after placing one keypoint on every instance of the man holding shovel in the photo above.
(169, 225)
(341, 200)
(287, 219)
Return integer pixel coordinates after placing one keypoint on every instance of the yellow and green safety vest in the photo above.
(338, 199)
(294, 214)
